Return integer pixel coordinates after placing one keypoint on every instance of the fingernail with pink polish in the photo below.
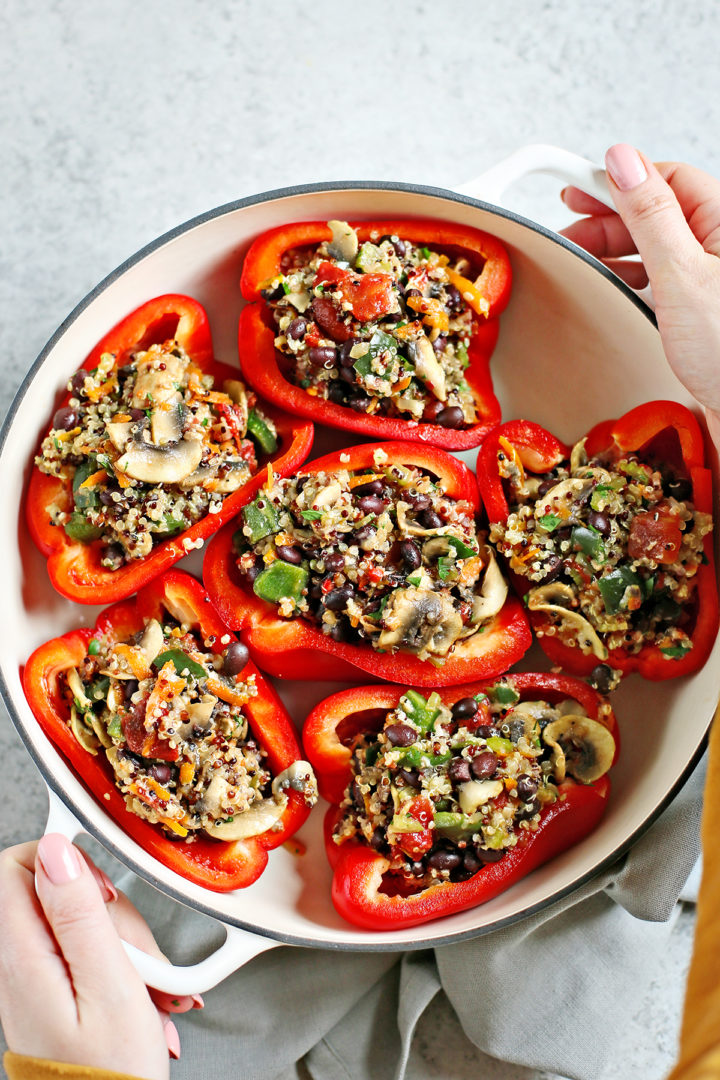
(172, 1039)
(108, 890)
(625, 166)
(61, 862)
(198, 1002)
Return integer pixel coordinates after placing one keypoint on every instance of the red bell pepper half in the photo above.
(668, 432)
(296, 649)
(489, 297)
(357, 889)
(74, 567)
(214, 864)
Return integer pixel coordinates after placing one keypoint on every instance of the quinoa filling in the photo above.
(442, 792)
(149, 448)
(610, 548)
(379, 327)
(378, 556)
(168, 715)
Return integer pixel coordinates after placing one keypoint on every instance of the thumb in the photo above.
(75, 910)
(648, 207)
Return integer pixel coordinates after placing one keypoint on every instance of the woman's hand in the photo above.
(68, 992)
(669, 214)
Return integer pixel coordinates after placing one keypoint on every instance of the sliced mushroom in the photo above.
(410, 528)
(119, 434)
(298, 777)
(533, 716)
(581, 747)
(161, 464)
(153, 641)
(201, 711)
(427, 366)
(344, 243)
(78, 692)
(475, 793)
(578, 456)
(328, 495)
(87, 738)
(584, 632)
(257, 819)
(166, 424)
(421, 622)
(565, 497)
(436, 547)
(199, 476)
(237, 393)
(492, 594)
(553, 593)
(155, 384)
(100, 730)
(234, 475)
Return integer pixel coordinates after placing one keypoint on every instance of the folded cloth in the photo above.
(550, 992)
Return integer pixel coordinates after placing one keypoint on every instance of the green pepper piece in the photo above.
(281, 580)
(422, 711)
(462, 354)
(462, 550)
(666, 609)
(98, 689)
(84, 497)
(503, 694)
(79, 528)
(181, 662)
(614, 586)
(261, 432)
(500, 746)
(676, 652)
(372, 753)
(172, 525)
(634, 470)
(419, 759)
(457, 826)
(262, 520)
(494, 840)
(114, 728)
(588, 540)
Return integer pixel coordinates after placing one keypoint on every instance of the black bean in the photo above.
(489, 855)
(451, 417)
(378, 839)
(465, 707)
(601, 678)
(399, 245)
(529, 810)
(334, 561)
(365, 533)
(545, 486)
(160, 772)
(410, 776)
(471, 863)
(272, 294)
(454, 301)
(296, 329)
(344, 357)
(254, 571)
(553, 568)
(341, 630)
(322, 354)
(527, 788)
(129, 687)
(401, 734)
(357, 795)
(484, 765)
(338, 598)
(300, 483)
(430, 520)
(486, 731)
(444, 860)
(137, 414)
(78, 381)
(410, 554)
(336, 392)
(371, 504)
(289, 554)
(599, 521)
(373, 487)
(417, 499)
(65, 419)
(439, 343)
(106, 497)
(459, 770)
(347, 375)
(432, 410)
(412, 293)
(680, 489)
(236, 658)
(359, 402)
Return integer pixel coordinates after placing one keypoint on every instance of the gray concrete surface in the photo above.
(120, 121)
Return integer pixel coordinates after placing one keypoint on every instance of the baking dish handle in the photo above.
(238, 949)
(570, 168)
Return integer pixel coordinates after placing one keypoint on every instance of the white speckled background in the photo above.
(120, 121)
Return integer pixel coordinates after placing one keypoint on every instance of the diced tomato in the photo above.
(655, 534)
(415, 844)
(370, 295)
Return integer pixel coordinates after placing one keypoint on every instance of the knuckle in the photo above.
(652, 207)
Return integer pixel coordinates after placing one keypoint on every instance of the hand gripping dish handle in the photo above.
(238, 949)
(570, 168)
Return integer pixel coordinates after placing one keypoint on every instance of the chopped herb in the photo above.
(311, 515)
(425, 252)
(549, 522)
(93, 647)
(285, 287)
(676, 652)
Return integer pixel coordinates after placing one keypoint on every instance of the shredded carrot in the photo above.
(470, 292)
(167, 685)
(527, 555)
(511, 452)
(222, 690)
(470, 569)
(134, 658)
(510, 783)
(174, 825)
(160, 791)
(270, 477)
(408, 331)
(365, 478)
(63, 436)
(218, 398)
(94, 479)
(122, 418)
(97, 392)
(404, 383)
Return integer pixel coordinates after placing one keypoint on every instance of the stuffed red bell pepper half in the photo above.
(609, 541)
(370, 561)
(174, 731)
(384, 327)
(152, 448)
(442, 800)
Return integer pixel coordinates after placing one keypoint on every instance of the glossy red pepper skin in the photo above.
(74, 567)
(540, 451)
(358, 870)
(259, 360)
(296, 649)
(213, 864)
